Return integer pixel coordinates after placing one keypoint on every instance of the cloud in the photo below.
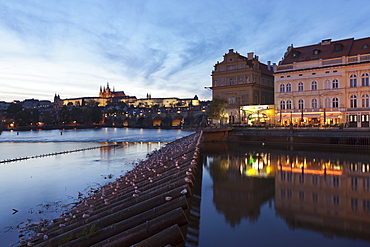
(166, 48)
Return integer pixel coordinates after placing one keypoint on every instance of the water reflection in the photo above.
(241, 185)
(324, 195)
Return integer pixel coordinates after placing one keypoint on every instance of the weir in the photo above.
(148, 206)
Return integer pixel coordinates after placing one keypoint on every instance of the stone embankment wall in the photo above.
(147, 206)
(356, 140)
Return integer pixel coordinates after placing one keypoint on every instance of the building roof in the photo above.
(327, 49)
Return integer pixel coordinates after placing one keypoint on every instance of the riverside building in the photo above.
(244, 81)
(325, 84)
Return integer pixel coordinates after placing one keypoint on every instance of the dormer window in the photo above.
(316, 52)
(365, 46)
(295, 54)
(338, 47)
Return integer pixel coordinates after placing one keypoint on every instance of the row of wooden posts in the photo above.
(52, 154)
(148, 206)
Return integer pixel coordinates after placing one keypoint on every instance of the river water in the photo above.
(246, 195)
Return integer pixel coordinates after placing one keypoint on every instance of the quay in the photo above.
(147, 206)
(312, 138)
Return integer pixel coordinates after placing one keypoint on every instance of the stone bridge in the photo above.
(159, 119)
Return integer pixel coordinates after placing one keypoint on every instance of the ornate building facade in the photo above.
(242, 81)
(324, 84)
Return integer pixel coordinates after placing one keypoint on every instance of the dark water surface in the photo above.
(246, 195)
(41, 188)
(258, 196)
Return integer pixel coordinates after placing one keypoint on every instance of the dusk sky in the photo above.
(166, 48)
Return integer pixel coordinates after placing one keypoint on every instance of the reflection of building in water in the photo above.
(241, 184)
(329, 196)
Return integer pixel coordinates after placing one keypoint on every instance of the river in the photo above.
(245, 196)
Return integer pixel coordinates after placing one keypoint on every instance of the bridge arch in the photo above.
(176, 121)
(157, 121)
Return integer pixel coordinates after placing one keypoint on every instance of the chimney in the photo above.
(250, 55)
(269, 65)
(231, 50)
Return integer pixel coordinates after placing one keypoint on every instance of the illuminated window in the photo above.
(300, 86)
(353, 81)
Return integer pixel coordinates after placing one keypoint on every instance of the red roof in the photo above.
(327, 49)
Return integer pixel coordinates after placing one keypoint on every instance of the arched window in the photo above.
(353, 101)
(288, 87)
(335, 102)
(353, 81)
(365, 80)
(314, 103)
(327, 103)
(314, 85)
(327, 84)
(365, 100)
(282, 105)
(282, 88)
(289, 104)
(300, 86)
(300, 104)
(335, 83)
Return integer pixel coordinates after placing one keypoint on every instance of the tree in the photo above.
(216, 109)
(14, 108)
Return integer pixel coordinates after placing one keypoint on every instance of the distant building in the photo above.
(166, 102)
(242, 81)
(35, 103)
(324, 84)
(106, 97)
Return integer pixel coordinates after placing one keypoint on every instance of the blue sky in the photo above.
(163, 47)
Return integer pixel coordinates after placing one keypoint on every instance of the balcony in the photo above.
(323, 63)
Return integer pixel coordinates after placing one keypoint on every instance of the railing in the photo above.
(323, 63)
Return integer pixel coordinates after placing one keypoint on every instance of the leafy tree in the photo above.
(14, 108)
(216, 109)
(64, 115)
(96, 114)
